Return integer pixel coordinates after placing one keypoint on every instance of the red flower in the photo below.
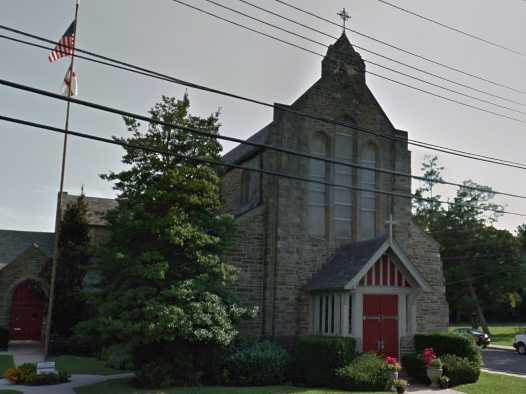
(428, 355)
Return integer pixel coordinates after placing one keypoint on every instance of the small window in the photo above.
(245, 187)
(350, 314)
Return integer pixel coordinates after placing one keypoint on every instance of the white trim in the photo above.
(406, 263)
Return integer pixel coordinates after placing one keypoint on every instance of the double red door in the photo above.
(27, 313)
(380, 324)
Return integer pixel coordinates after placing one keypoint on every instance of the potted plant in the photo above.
(434, 372)
(444, 382)
(393, 366)
(400, 385)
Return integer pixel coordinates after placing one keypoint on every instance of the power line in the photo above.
(153, 74)
(436, 62)
(365, 60)
(456, 30)
(383, 56)
(504, 116)
(194, 159)
(293, 152)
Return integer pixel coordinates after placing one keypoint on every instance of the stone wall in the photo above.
(26, 266)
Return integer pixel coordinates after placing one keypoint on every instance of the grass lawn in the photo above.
(501, 334)
(10, 392)
(492, 383)
(6, 361)
(121, 386)
(83, 365)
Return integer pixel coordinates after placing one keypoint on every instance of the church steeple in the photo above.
(341, 57)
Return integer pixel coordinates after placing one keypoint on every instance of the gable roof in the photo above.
(13, 243)
(243, 152)
(351, 262)
(97, 208)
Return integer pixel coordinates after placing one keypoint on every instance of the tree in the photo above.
(73, 261)
(425, 211)
(164, 280)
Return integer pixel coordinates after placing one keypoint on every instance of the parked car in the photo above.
(520, 343)
(481, 339)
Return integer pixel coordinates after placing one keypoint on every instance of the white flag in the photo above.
(70, 83)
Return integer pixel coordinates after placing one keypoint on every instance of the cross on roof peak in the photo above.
(345, 17)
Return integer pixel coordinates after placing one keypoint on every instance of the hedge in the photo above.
(415, 367)
(4, 338)
(443, 344)
(317, 358)
(261, 364)
(460, 370)
(367, 372)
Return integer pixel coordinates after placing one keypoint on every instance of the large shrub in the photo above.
(4, 338)
(118, 356)
(317, 358)
(260, 364)
(460, 370)
(177, 363)
(443, 344)
(367, 371)
(415, 367)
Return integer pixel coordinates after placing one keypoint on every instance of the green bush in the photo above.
(460, 370)
(260, 364)
(367, 372)
(166, 364)
(317, 358)
(47, 378)
(443, 344)
(118, 357)
(4, 338)
(415, 367)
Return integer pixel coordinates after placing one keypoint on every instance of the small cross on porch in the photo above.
(391, 222)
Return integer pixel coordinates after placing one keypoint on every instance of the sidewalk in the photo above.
(418, 389)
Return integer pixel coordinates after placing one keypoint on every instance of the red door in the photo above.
(380, 324)
(27, 312)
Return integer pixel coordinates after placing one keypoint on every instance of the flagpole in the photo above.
(58, 219)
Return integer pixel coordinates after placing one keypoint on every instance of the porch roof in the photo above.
(351, 262)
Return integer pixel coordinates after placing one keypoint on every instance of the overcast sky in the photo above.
(170, 38)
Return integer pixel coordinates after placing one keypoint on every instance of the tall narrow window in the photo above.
(317, 192)
(350, 314)
(245, 187)
(343, 197)
(368, 199)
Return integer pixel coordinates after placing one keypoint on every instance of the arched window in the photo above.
(367, 228)
(343, 148)
(245, 187)
(317, 192)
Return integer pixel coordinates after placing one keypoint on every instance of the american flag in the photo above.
(65, 45)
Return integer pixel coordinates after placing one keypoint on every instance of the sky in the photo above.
(173, 39)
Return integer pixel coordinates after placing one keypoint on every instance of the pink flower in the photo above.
(428, 355)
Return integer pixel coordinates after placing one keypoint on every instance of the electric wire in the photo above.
(207, 133)
(365, 60)
(421, 90)
(455, 29)
(153, 74)
(436, 62)
(383, 56)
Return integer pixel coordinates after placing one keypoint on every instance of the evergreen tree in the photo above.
(73, 260)
(163, 276)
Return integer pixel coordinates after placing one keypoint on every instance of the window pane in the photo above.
(342, 229)
(342, 212)
(317, 192)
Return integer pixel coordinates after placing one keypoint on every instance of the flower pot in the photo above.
(434, 375)
(400, 390)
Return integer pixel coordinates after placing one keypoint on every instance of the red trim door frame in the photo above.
(380, 324)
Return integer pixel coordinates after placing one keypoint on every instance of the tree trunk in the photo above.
(478, 309)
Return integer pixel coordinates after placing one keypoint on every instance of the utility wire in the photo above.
(383, 56)
(153, 74)
(207, 133)
(456, 30)
(199, 160)
(436, 62)
(367, 71)
(365, 60)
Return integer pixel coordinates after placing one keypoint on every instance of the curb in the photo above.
(500, 347)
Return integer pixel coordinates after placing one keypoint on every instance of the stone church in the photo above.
(315, 259)
(320, 259)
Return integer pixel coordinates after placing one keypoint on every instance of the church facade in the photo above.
(320, 259)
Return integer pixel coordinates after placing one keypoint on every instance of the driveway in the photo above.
(507, 361)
